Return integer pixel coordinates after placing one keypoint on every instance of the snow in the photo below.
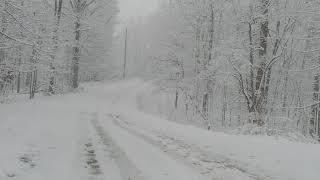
(102, 133)
(264, 156)
(154, 163)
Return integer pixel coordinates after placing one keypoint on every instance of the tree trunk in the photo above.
(260, 96)
(76, 55)
(19, 66)
(224, 105)
(205, 109)
(55, 38)
(2, 38)
(176, 100)
(314, 130)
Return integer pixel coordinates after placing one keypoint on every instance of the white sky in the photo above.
(136, 8)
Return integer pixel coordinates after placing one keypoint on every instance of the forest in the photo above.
(159, 89)
(49, 46)
(245, 65)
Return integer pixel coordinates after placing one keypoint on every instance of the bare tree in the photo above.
(80, 8)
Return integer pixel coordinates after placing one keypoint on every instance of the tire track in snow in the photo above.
(128, 171)
(151, 160)
(214, 166)
(210, 160)
(92, 163)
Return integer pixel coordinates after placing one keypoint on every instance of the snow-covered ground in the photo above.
(102, 133)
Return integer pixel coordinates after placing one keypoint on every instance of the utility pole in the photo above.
(125, 54)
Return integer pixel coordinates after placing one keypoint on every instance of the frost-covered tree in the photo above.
(38, 43)
(236, 63)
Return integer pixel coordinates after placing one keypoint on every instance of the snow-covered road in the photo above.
(100, 134)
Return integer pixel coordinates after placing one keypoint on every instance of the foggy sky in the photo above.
(136, 8)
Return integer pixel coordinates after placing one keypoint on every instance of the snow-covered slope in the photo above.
(102, 134)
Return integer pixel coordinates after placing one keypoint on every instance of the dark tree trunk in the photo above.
(19, 73)
(315, 119)
(76, 56)
(57, 15)
(176, 100)
(205, 105)
(260, 89)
